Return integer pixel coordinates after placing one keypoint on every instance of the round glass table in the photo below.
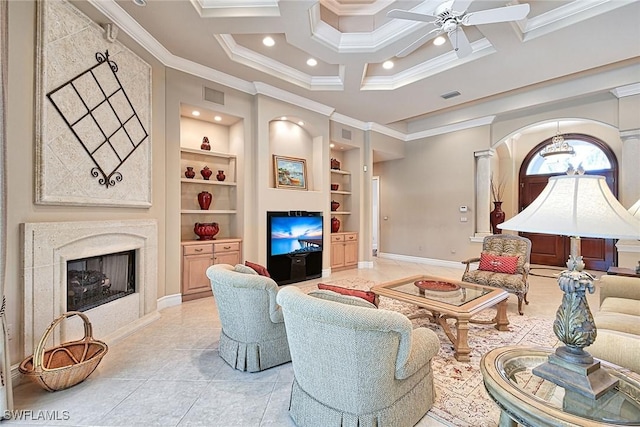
(529, 400)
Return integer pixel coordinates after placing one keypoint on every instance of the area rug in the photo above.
(461, 399)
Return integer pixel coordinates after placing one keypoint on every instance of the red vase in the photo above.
(206, 230)
(189, 173)
(496, 217)
(334, 205)
(335, 225)
(221, 176)
(335, 164)
(206, 173)
(205, 144)
(204, 200)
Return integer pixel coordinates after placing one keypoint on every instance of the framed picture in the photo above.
(290, 172)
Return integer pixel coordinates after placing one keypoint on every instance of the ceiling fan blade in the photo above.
(460, 5)
(415, 45)
(501, 14)
(460, 42)
(412, 16)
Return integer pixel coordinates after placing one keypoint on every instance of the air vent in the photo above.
(450, 94)
(213, 95)
(346, 134)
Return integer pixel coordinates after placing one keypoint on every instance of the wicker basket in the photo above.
(67, 364)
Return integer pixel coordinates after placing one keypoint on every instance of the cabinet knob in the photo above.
(350, 237)
(227, 247)
(198, 250)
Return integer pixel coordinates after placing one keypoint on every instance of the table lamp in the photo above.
(576, 206)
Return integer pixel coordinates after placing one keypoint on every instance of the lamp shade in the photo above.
(576, 206)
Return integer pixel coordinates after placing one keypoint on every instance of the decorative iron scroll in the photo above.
(98, 111)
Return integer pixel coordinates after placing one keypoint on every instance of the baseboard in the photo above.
(365, 264)
(326, 272)
(169, 301)
(420, 260)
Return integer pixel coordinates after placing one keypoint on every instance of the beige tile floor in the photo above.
(170, 374)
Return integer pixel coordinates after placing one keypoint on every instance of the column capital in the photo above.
(630, 134)
(485, 153)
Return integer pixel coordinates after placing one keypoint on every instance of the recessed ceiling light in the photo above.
(268, 41)
(140, 2)
(283, 118)
(332, 145)
(195, 113)
(301, 123)
(311, 62)
(387, 65)
(439, 41)
(217, 118)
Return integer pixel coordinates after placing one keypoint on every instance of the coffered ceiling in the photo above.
(598, 40)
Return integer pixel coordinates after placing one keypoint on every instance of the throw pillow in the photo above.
(366, 295)
(498, 264)
(261, 270)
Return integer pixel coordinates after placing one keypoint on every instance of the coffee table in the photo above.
(449, 299)
(529, 400)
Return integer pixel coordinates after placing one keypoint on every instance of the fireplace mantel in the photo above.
(47, 248)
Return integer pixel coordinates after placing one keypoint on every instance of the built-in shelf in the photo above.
(209, 211)
(340, 172)
(207, 182)
(340, 192)
(208, 153)
(340, 213)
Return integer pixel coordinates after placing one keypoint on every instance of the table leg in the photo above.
(502, 321)
(506, 421)
(461, 344)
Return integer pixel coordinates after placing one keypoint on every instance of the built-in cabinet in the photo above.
(344, 250)
(197, 256)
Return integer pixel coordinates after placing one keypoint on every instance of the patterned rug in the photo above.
(461, 399)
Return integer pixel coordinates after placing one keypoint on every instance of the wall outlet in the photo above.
(463, 219)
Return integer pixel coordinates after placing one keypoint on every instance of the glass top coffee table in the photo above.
(449, 299)
(532, 401)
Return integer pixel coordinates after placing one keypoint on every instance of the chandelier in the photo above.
(557, 146)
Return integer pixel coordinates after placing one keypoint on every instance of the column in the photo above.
(629, 190)
(483, 191)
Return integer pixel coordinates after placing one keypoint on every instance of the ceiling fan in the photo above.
(450, 16)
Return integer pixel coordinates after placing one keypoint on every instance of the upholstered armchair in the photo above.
(355, 365)
(253, 336)
(504, 263)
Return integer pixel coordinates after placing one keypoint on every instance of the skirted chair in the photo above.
(253, 336)
(355, 365)
(504, 263)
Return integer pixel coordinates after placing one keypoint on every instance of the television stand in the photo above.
(298, 267)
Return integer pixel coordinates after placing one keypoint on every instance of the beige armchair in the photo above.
(355, 365)
(253, 336)
(504, 263)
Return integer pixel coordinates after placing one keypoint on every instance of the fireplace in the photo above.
(56, 253)
(100, 279)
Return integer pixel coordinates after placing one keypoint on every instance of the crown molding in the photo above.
(236, 8)
(355, 9)
(629, 90)
(367, 126)
(447, 61)
(482, 121)
(250, 58)
(349, 121)
(291, 98)
(384, 130)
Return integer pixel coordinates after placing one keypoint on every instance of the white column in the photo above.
(629, 190)
(483, 191)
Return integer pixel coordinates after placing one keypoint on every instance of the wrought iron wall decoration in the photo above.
(100, 115)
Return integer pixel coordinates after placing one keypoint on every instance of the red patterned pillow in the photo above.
(366, 295)
(257, 268)
(498, 264)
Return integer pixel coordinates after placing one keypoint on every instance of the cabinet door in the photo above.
(337, 254)
(194, 279)
(231, 258)
(351, 253)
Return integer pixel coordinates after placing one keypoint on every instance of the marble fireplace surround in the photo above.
(48, 246)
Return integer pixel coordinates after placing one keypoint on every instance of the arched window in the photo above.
(588, 153)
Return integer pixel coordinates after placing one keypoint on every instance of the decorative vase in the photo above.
(220, 176)
(206, 173)
(496, 217)
(204, 200)
(334, 205)
(206, 230)
(334, 187)
(205, 144)
(335, 164)
(335, 225)
(189, 173)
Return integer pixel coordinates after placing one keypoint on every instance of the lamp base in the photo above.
(587, 379)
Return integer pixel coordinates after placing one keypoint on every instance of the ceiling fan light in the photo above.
(439, 41)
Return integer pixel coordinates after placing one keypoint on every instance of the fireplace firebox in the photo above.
(100, 279)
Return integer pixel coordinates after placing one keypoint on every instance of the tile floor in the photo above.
(170, 374)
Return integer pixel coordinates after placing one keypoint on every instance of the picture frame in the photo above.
(290, 172)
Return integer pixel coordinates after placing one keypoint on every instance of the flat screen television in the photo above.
(294, 232)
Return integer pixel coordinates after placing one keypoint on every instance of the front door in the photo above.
(547, 249)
